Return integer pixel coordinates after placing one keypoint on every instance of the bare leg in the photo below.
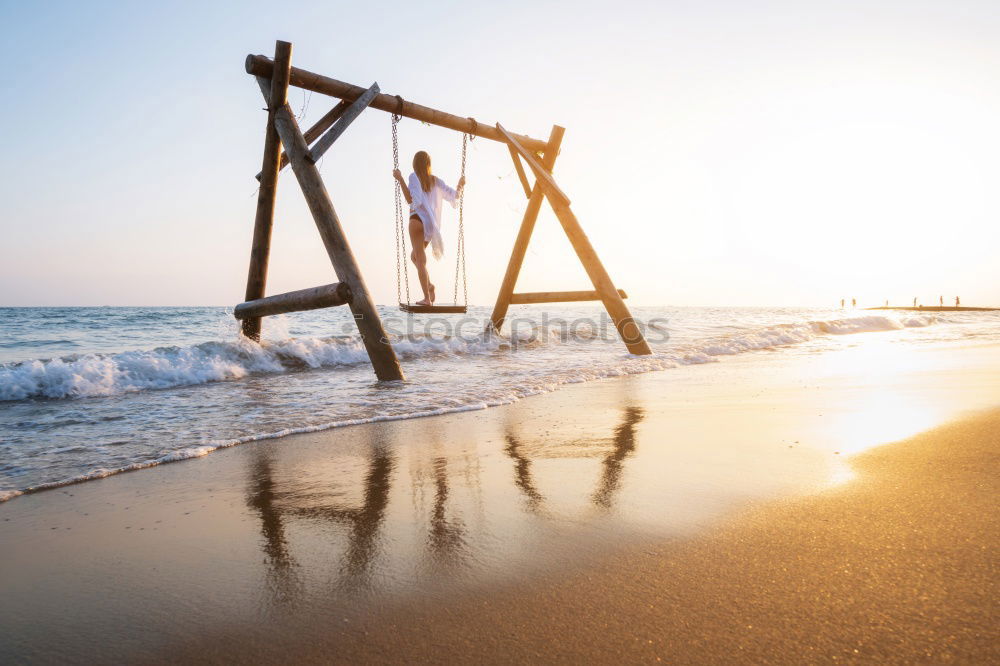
(419, 257)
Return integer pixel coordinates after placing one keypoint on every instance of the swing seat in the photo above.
(433, 309)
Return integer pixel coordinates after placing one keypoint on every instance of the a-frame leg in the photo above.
(524, 233)
(613, 302)
(264, 220)
(366, 317)
(619, 312)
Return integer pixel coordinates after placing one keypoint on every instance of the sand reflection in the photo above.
(522, 473)
(621, 445)
(446, 536)
(433, 522)
(281, 581)
(624, 446)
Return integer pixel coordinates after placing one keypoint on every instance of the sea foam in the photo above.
(96, 375)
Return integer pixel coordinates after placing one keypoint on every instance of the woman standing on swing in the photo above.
(424, 193)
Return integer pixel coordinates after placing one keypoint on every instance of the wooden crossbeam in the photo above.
(260, 65)
(553, 191)
(520, 171)
(322, 125)
(329, 295)
(527, 298)
(324, 142)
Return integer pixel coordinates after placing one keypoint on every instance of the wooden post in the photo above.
(524, 233)
(264, 220)
(366, 317)
(619, 312)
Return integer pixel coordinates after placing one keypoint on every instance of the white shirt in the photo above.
(427, 206)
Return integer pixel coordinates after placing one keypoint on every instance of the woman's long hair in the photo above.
(422, 167)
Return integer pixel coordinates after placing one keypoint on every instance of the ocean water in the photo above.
(89, 392)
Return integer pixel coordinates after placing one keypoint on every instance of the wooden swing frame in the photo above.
(303, 150)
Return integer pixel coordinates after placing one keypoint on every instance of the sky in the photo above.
(716, 153)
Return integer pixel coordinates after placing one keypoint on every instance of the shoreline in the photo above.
(278, 547)
(935, 308)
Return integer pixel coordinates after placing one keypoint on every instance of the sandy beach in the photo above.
(899, 566)
(698, 515)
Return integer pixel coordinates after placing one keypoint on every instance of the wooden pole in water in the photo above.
(375, 339)
(524, 233)
(264, 220)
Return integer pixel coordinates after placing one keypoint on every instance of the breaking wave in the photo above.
(97, 375)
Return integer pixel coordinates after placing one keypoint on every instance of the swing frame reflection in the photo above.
(282, 500)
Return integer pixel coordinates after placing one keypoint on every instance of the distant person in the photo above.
(841, 304)
(942, 301)
(887, 302)
(914, 302)
(957, 302)
(854, 302)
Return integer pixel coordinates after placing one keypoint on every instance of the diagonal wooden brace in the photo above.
(556, 195)
(322, 125)
(324, 142)
(520, 171)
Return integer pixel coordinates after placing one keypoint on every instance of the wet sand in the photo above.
(705, 514)
(899, 566)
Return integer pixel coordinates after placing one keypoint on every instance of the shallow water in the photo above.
(87, 392)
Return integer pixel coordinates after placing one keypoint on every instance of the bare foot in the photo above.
(423, 301)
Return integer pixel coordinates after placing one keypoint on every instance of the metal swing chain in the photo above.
(460, 254)
(402, 271)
